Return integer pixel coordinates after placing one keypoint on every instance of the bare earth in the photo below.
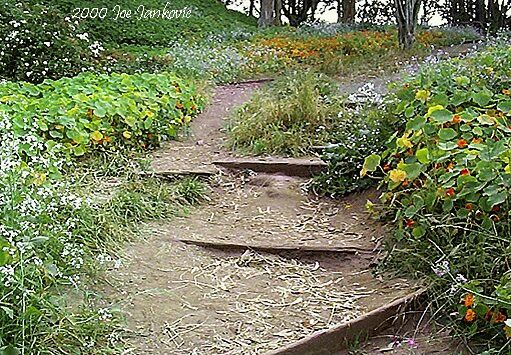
(184, 299)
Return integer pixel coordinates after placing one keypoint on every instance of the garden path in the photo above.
(184, 299)
(252, 293)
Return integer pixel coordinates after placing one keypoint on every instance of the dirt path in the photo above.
(184, 299)
(203, 145)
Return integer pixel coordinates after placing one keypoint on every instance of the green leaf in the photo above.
(442, 115)
(79, 150)
(481, 98)
(416, 123)
(418, 231)
(505, 106)
(100, 111)
(497, 199)
(370, 163)
(423, 155)
(412, 170)
(447, 134)
(148, 123)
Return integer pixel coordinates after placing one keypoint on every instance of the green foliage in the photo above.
(207, 17)
(358, 133)
(37, 43)
(287, 117)
(90, 112)
(447, 177)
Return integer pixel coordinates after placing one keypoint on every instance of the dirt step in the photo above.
(183, 299)
(306, 167)
(339, 337)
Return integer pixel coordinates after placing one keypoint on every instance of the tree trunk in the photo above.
(251, 8)
(278, 13)
(267, 15)
(407, 12)
(348, 11)
(339, 11)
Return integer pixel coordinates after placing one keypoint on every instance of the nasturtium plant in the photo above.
(446, 180)
(93, 111)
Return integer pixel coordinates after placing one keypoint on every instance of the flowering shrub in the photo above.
(37, 42)
(447, 174)
(40, 247)
(101, 111)
(360, 131)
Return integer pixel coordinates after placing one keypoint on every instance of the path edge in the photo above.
(338, 338)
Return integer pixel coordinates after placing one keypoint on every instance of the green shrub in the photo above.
(447, 182)
(287, 117)
(102, 111)
(37, 43)
(359, 133)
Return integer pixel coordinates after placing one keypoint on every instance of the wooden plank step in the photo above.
(169, 174)
(277, 249)
(287, 166)
(338, 338)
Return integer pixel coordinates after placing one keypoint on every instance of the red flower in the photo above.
(462, 143)
(410, 223)
(465, 172)
(469, 206)
(450, 192)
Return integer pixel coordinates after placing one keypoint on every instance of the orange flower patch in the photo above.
(462, 143)
(468, 301)
(450, 192)
(470, 316)
(499, 317)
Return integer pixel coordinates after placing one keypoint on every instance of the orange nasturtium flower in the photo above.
(468, 301)
(506, 92)
(450, 192)
(470, 316)
(499, 317)
(456, 119)
(462, 143)
(410, 223)
(465, 172)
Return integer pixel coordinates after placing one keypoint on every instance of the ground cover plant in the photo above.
(141, 28)
(446, 179)
(93, 111)
(51, 231)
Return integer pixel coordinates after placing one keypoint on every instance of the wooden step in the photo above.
(305, 167)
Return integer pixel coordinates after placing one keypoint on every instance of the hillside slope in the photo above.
(207, 16)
